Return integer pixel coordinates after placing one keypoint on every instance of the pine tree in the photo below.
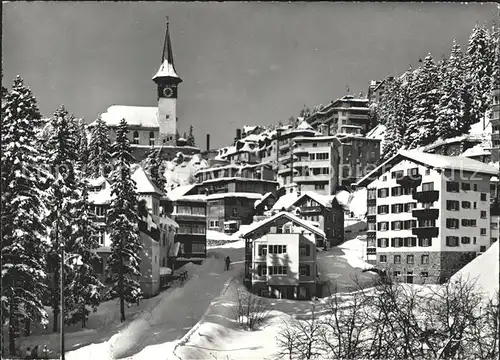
(422, 127)
(479, 71)
(99, 158)
(155, 168)
(453, 116)
(495, 78)
(122, 223)
(83, 288)
(62, 156)
(24, 236)
(82, 145)
(190, 139)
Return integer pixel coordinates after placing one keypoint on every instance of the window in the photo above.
(427, 223)
(427, 171)
(475, 205)
(397, 259)
(312, 156)
(452, 223)
(213, 224)
(277, 270)
(383, 258)
(409, 259)
(383, 226)
(372, 210)
(452, 241)
(475, 187)
(465, 186)
(396, 273)
(99, 211)
(319, 186)
(262, 250)
(427, 205)
(383, 242)
(397, 242)
(483, 214)
(397, 174)
(396, 225)
(424, 259)
(397, 208)
(151, 138)
(383, 193)
(410, 206)
(409, 224)
(465, 240)
(483, 196)
(466, 204)
(483, 231)
(410, 241)
(413, 171)
(383, 209)
(100, 237)
(428, 186)
(452, 205)
(372, 194)
(482, 248)
(304, 250)
(424, 274)
(135, 140)
(425, 242)
(452, 186)
(384, 178)
(304, 270)
(493, 240)
(397, 191)
(262, 270)
(469, 222)
(277, 249)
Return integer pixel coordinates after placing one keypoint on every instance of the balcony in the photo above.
(409, 181)
(428, 196)
(311, 178)
(428, 214)
(425, 232)
(310, 209)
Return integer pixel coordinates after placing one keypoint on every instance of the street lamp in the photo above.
(75, 259)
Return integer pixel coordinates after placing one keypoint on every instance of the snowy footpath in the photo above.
(155, 333)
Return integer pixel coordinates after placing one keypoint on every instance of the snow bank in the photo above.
(354, 252)
(358, 203)
(483, 270)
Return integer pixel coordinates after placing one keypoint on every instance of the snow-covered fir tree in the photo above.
(422, 128)
(454, 105)
(82, 145)
(495, 78)
(24, 235)
(190, 138)
(395, 112)
(156, 169)
(99, 158)
(123, 264)
(82, 282)
(62, 156)
(479, 69)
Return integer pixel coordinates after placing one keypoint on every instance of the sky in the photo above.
(241, 63)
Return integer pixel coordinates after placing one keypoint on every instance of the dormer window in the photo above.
(135, 140)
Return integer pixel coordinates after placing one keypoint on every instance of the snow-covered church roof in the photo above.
(136, 116)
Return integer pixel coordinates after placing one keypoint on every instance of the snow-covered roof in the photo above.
(97, 181)
(285, 201)
(344, 198)
(196, 197)
(103, 196)
(143, 183)
(432, 160)
(165, 270)
(259, 201)
(136, 116)
(179, 191)
(234, 194)
(476, 150)
(325, 200)
(301, 222)
(304, 125)
(166, 70)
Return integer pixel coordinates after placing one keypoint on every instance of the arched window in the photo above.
(151, 138)
(136, 137)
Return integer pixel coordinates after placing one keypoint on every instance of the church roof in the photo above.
(167, 67)
(140, 116)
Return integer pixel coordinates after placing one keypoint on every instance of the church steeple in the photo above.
(166, 73)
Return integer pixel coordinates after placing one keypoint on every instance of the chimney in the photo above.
(208, 142)
(238, 134)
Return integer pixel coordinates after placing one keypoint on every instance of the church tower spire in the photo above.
(167, 82)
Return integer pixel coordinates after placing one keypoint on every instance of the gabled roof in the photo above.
(430, 160)
(136, 116)
(324, 200)
(143, 183)
(301, 222)
(179, 192)
(103, 196)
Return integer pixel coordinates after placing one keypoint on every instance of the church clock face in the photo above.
(168, 91)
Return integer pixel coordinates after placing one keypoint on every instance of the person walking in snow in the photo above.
(228, 261)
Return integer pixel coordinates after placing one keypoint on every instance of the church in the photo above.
(153, 126)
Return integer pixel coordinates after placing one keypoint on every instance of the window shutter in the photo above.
(419, 241)
(308, 270)
(308, 250)
(379, 242)
(392, 242)
(392, 225)
(379, 226)
(405, 241)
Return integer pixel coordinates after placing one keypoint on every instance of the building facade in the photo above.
(495, 124)
(428, 215)
(280, 257)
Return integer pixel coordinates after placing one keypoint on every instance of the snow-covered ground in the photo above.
(354, 252)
